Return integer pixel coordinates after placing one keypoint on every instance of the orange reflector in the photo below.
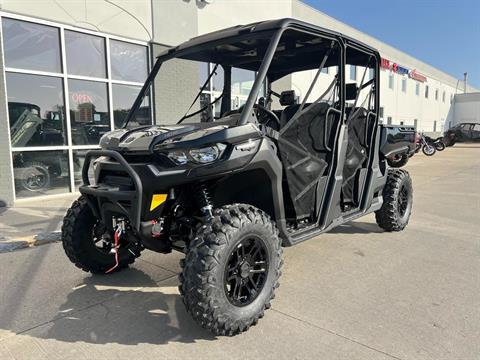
(157, 200)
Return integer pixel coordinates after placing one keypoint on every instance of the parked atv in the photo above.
(232, 190)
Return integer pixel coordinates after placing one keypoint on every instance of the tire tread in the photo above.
(204, 254)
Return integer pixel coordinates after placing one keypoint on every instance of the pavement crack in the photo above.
(337, 334)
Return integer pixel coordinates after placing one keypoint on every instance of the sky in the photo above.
(442, 33)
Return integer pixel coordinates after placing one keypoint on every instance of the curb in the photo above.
(9, 245)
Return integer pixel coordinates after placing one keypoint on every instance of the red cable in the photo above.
(116, 237)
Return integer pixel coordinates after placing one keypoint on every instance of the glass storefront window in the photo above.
(31, 46)
(78, 160)
(89, 116)
(36, 86)
(40, 173)
(123, 97)
(128, 61)
(36, 110)
(85, 54)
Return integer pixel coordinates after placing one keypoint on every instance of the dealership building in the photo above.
(71, 70)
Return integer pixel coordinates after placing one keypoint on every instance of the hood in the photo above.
(140, 139)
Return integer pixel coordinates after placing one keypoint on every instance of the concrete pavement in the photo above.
(32, 221)
(355, 293)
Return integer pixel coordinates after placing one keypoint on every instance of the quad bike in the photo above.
(231, 187)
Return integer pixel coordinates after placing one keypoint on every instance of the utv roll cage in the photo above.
(200, 48)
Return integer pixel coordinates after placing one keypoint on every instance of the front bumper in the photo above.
(103, 197)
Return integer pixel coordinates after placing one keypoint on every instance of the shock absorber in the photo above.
(204, 200)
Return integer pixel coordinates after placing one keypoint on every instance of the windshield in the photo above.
(205, 84)
(217, 80)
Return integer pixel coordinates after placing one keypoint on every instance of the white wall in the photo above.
(407, 106)
(126, 18)
(226, 13)
(466, 109)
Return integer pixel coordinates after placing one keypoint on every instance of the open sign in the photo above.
(81, 98)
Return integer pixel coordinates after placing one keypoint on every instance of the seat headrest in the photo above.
(351, 91)
(288, 97)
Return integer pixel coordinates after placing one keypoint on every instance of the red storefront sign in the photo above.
(417, 76)
(412, 74)
(385, 64)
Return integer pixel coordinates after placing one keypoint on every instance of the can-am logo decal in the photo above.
(413, 74)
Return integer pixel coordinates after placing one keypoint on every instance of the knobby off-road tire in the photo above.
(397, 163)
(78, 242)
(208, 264)
(397, 201)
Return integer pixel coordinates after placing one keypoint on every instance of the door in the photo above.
(360, 119)
(309, 110)
(465, 132)
(475, 132)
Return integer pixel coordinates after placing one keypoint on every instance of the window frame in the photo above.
(391, 81)
(404, 85)
(354, 68)
(65, 76)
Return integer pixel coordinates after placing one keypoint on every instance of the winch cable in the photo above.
(116, 237)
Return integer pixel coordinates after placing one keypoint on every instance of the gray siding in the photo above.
(6, 187)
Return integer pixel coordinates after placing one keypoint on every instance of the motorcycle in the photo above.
(426, 144)
(438, 143)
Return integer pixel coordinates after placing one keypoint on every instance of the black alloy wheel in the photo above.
(246, 271)
(403, 200)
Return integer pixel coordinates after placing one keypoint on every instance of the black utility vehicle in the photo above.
(229, 186)
(464, 132)
(397, 144)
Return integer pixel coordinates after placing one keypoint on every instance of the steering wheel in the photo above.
(265, 116)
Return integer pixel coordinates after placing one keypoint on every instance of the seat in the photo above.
(288, 113)
(289, 100)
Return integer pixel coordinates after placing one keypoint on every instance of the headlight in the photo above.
(204, 155)
(178, 157)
